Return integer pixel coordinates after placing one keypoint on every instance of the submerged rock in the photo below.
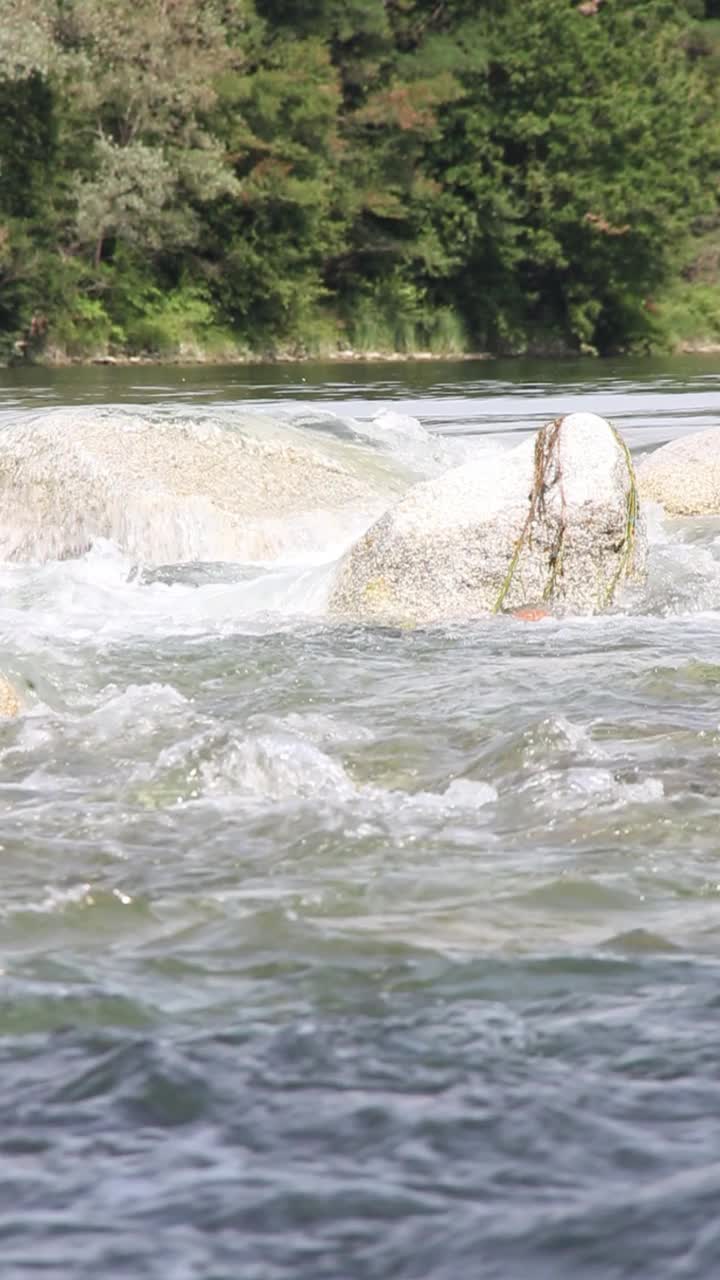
(553, 524)
(684, 475)
(168, 491)
(9, 701)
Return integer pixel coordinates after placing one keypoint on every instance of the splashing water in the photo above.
(331, 950)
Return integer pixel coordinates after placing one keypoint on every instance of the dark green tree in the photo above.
(572, 168)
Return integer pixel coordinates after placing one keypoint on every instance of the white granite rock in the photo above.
(554, 521)
(684, 475)
(168, 491)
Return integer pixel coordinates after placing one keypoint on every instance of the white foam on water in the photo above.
(404, 437)
(683, 578)
(102, 597)
(567, 770)
(55, 901)
(318, 728)
(276, 767)
(397, 438)
(465, 794)
(558, 735)
(656, 523)
(274, 764)
(586, 787)
(139, 708)
(289, 768)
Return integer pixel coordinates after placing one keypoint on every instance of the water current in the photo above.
(343, 953)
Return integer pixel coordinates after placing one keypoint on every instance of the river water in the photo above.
(342, 952)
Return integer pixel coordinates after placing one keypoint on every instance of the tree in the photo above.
(267, 242)
(572, 168)
(525, 169)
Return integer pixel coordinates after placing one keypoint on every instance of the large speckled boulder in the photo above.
(9, 700)
(684, 475)
(554, 521)
(170, 491)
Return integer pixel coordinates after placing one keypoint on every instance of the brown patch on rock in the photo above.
(529, 614)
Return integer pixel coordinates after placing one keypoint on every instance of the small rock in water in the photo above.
(9, 701)
(684, 475)
(554, 520)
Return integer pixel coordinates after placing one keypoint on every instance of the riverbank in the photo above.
(343, 356)
(196, 356)
(694, 348)
(685, 320)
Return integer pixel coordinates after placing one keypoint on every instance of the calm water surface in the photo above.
(338, 952)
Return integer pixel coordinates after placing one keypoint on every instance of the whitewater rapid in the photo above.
(327, 945)
(104, 592)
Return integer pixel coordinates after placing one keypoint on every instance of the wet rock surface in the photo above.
(552, 524)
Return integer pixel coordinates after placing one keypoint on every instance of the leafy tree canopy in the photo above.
(511, 174)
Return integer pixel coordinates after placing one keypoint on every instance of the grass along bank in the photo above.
(390, 323)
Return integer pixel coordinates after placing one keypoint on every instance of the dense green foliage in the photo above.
(387, 174)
